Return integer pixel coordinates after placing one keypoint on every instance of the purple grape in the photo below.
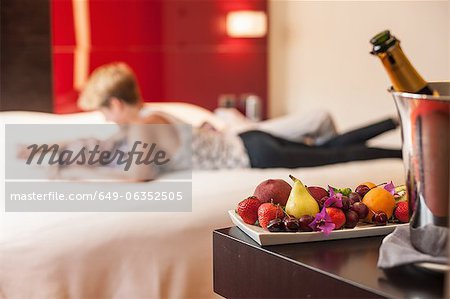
(380, 218)
(276, 225)
(322, 201)
(291, 224)
(361, 209)
(345, 203)
(351, 219)
(304, 222)
(354, 197)
(362, 190)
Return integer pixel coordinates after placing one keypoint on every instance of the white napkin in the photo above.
(397, 250)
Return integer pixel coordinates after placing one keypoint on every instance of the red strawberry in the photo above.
(402, 212)
(248, 209)
(267, 212)
(337, 216)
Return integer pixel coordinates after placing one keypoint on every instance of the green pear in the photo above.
(300, 201)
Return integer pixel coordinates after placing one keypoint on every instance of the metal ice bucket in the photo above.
(425, 123)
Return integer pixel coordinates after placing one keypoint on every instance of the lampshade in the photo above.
(246, 23)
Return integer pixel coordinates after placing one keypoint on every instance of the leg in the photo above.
(267, 151)
(316, 124)
(361, 135)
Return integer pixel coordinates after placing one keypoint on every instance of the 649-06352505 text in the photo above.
(156, 196)
(99, 195)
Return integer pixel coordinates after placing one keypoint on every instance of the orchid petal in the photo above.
(335, 201)
(331, 191)
(327, 228)
(322, 222)
(318, 218)
(390, 188)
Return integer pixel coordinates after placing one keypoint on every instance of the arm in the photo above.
(100, 173)
(140, 156)
(24, 151)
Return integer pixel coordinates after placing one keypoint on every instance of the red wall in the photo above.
(178, 48)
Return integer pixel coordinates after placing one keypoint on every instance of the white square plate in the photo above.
(264, 237)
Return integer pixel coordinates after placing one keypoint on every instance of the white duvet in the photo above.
(143, 255)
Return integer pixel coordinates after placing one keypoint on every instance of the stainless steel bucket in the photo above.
(425, 123)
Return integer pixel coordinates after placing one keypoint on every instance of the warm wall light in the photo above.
(246, 23)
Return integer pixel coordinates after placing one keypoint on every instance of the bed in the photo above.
(140, 255)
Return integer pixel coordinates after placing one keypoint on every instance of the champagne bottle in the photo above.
(402, 73)
(426, 138)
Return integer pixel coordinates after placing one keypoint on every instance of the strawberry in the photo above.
(402, 212)
(267, 212)
(337, 216)
(248, 209)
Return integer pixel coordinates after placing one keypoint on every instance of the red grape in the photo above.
(354, 197)
(380, 218)
(351, 219)
(304, 222)
(291, 224)
(276, 225)
(362, 190)
(322, 201)
(361, 209)
(345, 203)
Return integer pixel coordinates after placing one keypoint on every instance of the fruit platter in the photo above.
(278, 213)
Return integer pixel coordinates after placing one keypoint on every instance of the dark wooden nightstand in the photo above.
(330, 269)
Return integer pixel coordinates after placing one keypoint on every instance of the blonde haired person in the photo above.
(113, 89)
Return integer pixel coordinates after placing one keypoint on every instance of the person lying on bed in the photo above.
(113, 89)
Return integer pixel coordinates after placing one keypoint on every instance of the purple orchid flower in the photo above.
(322, 222)
(335, 199)
(390, 188)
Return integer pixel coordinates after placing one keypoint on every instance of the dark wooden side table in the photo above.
(330, 269)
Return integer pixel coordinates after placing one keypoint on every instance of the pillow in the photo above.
(29, 117)
(189, 113)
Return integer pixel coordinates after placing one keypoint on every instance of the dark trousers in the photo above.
(268, 151)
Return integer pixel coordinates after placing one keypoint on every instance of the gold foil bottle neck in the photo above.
(403, 75)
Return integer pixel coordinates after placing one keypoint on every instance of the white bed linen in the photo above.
(141, 255)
